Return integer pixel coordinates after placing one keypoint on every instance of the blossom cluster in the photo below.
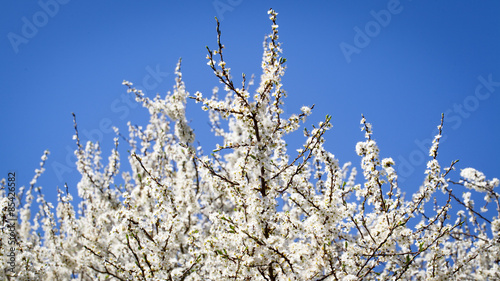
(252, 209)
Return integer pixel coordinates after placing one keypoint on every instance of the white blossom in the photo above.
(252, 209)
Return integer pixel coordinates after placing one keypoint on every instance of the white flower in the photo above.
(387, 162)
(360, 148)
(350, 277)
(306, 110)
(474, 179)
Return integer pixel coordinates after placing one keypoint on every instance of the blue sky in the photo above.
(400, 63)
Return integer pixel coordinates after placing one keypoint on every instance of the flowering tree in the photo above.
(251, 210)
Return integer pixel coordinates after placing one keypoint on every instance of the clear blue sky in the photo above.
(347, 57)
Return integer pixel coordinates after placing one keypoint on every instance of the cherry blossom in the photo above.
(251, 209)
